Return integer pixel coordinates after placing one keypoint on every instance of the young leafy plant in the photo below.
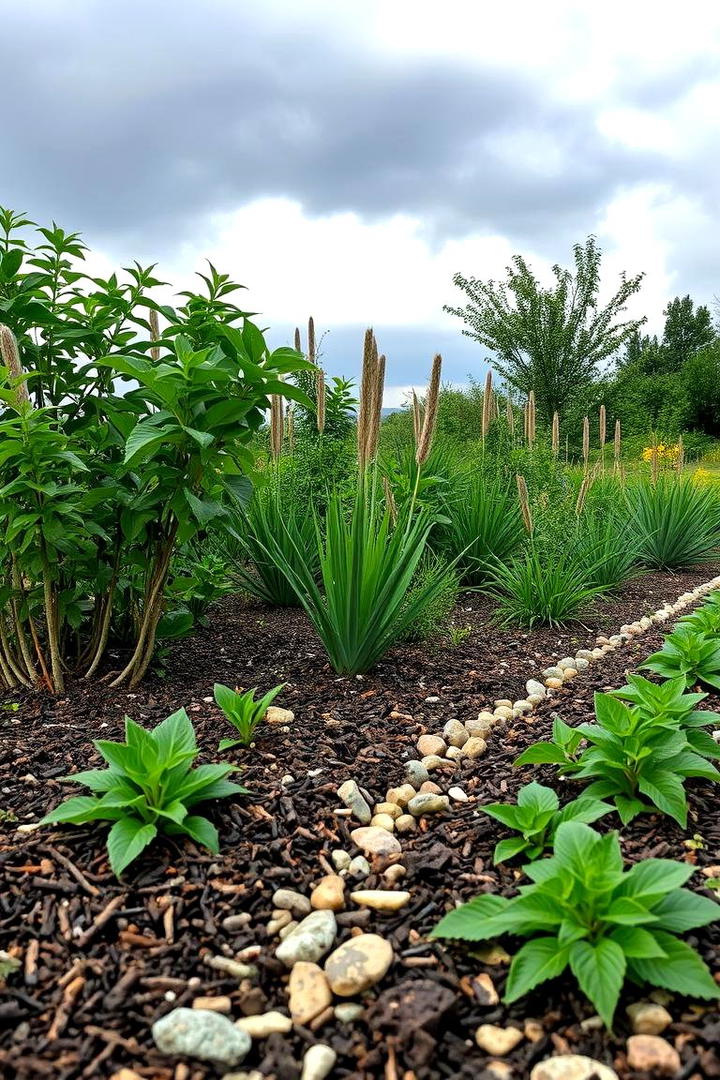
(537, 817)
(686, 652)
(631, 757)
(670, 699)
(149, 788)
(243, 711)
(585, 912)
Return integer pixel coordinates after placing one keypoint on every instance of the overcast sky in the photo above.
(343, 158)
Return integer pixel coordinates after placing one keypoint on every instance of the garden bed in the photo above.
(110, 959)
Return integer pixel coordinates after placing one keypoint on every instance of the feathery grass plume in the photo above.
(586, 440)
(298, 340)
(555, 433)
(290, 428)
(320, 398)
(616, 443)
(376, 409)
(680, 463)
(487, 408)
(417, 418)
(276, 425)
(10, 355)
(154, 333)
(603, 426)
(431, 409)
(367, 379)
(524, 503)
(390, 500)
(495, 407)
(587, 482)
(531, 420)
(510, 416)
(526, 411)
(311, 340)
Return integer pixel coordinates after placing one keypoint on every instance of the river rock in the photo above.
(405, 823)
(474, 747)
(264, 1025)
(485, 990)
(572, 1067)
(433, 761)
(390, 808)
(348, 1011)
(221, 1003)
(455, 733)
(581, 664)
(553, 684)
(647, 1018)
(207, 1036)
(457, 794)
(534, 687)
(290, 900)
(416, 773)
(401, 795)
(650, 1053)
(431, 744)
(329, 894)
(359, 867)
(454, 753)
(374, 841)
(381, 899)
(309, 992)
(428, 803)
(481, 725)
(341, 859)
(353, 798)
(552, 673)
(310, 939)
(393, 873)
(276, 715)
(318, 1062)
(497, 1040)
(358, 964)
(383, 821)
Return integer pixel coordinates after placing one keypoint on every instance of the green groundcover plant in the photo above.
(670, 699)
(638, 761)
(149, 787)
(243, 711)
(583, 911)
(537, 818)
(689, 653)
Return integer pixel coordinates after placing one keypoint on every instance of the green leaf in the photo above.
(681, 970)
(651, 879)
(73, 811)
(683, 910)
(600, 972)
(508, 849)
(624, 911)
(636, 942)
(127, 838)
(468, 922)
(203, 831)
(535, 963)
(542, 753)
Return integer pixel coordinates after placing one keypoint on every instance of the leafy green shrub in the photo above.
(537, 818)
(542, 587)
(705, 619)
(434, 617)
(585, 912)
(271, 521)
(121, 442)
(669, 699)
(243, 711)
(674, 523)
(631, 754)
(687, 653)
(149, 788)
(367, 566)
(483, 525)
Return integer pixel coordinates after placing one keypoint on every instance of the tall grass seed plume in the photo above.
(11, 360)
(298, 340)
(311, 340)
(531, 420)
(555, 433)
(276, 425)
(524, 503)
(487, 407)
(617, 443)
(587, 482)
(376, 413)
(603, 427)
(154, 333)
(417, 417)
(431, 408)
(586, 440)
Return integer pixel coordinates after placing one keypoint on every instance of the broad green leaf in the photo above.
(600, 972)
(680, 970)
(542, 753)
(683, 910)
(535, 963)
(509, 848)
(637, 942)
(203, 831)
(468, 922)
(127, 838)
(652, 879)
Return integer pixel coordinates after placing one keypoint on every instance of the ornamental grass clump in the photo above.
(149, 788)
(674, 523)
(483, 525)
(585, 912)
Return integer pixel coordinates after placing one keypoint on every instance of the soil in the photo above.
(103, 959)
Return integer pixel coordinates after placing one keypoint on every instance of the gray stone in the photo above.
(310, 939)
(455, 733)
(374, 841)
(352, 797)
(290, 900)
(534, 687)
(416, 773)
(201, 1034)
(428, 804)
(359, 867)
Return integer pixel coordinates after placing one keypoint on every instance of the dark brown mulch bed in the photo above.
(104, 959)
